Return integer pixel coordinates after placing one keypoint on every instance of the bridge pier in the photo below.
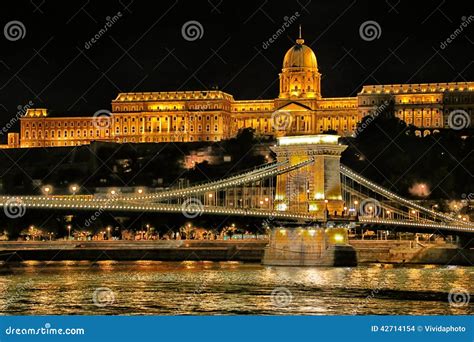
(313, 246)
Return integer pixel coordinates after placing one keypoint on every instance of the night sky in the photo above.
(144, 50)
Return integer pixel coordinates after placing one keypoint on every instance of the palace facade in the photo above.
(215, 115)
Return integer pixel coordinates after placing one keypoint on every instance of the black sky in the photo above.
(145, 51)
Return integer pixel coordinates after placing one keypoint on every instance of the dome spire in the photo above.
(300, 39)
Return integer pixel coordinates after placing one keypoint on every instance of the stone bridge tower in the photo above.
(315, 188)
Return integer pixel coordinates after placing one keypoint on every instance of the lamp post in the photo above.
(47, 190)
(69, 231)
(73, 189)
(326, 212)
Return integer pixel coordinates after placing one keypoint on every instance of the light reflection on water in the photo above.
(170, 288)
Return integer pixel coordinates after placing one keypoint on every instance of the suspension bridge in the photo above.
(306, 186)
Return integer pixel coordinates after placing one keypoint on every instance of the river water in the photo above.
(231, 288)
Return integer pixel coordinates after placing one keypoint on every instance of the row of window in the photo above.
(182, 128)
(202, 107)
(58, 124)
(191, 118)
(66, 134)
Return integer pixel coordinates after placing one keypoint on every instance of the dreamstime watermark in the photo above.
(103, 296)
(370, 30)
(281, 297)
(21, 112)
(288, 21)
(14, 208)
(14, 30)
(102, 118)
(90, 220)
(20, 290)
(46, 330)
(192, 208)
(369, 207)
(111, 20)
(459, 119)
(458, 297)
(373, 293)
(371, 117)
(464, 24)
(192, 30)
(281, 120)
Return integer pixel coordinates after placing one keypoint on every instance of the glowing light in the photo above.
(338, 237)
(309, 140)
(318, 196)
(47, 189)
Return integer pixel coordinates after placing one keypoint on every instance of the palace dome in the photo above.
(300, 56)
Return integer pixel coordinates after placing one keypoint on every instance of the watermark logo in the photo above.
(370, 30)
(369, 207)
(22, 110)
(459, 119)
(14, 208)
(465, 21)
(103, 296)
(368, 119)
(14, 30)
(192, 208)
(102, 118)
(288, 21)
(468, 196)
(192, 30)
(281, 297)
(281, 120)
(110, 21)
(111, 196)
(459, 297)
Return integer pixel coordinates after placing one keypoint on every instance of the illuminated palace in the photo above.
(215, 115)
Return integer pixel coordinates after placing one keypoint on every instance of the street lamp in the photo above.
(108, 233)
(73, 189)
(47, 189)
(69, 231)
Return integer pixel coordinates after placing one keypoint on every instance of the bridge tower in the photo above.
(316, 189)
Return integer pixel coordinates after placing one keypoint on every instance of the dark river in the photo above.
(231, 288)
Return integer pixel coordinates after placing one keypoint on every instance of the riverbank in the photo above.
(368, 251)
